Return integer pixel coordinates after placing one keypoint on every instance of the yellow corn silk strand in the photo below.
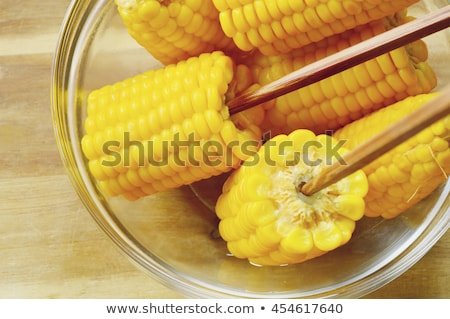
(173, 30)
(265, 219)
(165, 128)
(340, 99)
(278, 26)
(410, 172)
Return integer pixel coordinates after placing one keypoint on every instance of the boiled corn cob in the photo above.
(174, 30)
(165, 128)
(335, 101)
(263, 216)
(407, 174)
(278, 26)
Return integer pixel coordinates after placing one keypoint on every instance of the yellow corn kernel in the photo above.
(175, 30)
(327, 236)
(279, 26)
(266, 219)
(175, 138)
(340, 99)
(411, 171)
(299, 241)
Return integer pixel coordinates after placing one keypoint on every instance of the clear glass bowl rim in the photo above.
(79, 16)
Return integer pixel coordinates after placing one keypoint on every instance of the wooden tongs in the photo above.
(352, 56)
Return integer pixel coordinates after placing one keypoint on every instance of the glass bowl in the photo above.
(172, 235)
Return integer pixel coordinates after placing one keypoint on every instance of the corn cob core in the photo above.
(278, 26)
(165, 128)
(173, 30)
(264, 217)
(410, 172)
(340, 99)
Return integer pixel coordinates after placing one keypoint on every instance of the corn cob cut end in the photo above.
(265, 219)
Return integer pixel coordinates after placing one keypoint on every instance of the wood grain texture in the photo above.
(49, 245)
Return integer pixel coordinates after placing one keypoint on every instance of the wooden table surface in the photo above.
(50, 247)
